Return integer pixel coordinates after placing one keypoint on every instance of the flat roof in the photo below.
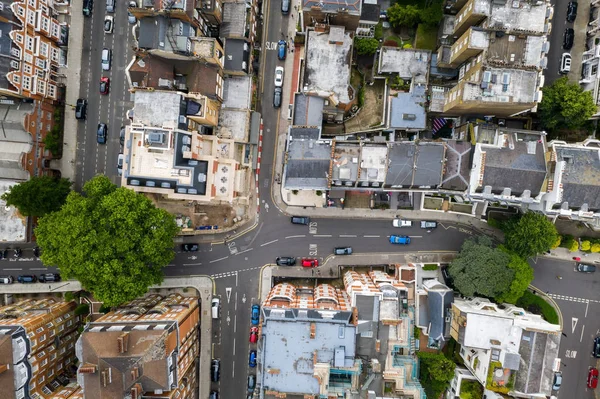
(522, 86)
(327, 69)
(412, 165)
(234, 20)
(580, 176)
(14, 228)
(155, 108)
(353, 7)
(308, 110)
(407, 63)
(237, 92)
(307, 164)
(345, 163)
(516, 15)
(373, 166)
(406, 112)
(234, 123)
(237, 55)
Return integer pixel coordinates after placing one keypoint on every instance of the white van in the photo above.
(216, 308)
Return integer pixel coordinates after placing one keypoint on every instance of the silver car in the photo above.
(120, 165)
(106, 59)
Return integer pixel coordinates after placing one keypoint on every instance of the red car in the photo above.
(592, 381)
(253, 335)
(104, 85)
(310, 262)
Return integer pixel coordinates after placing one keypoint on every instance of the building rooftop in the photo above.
(521, 87)
(407, 112)
(155, 108)
(328, 59)
(513, 50)
(373, 163)
(237, 55)
(308, 159)
(524, 16)
(457, 169)
(580, 176)
(308, 110)
(439, 301)
(407, 63)
(234, 124)
(370, 12)
(14, 228)
(415, 165)
(15, 141)
(234, 20)
(345, 163)
(353, 7)
(158, 32)
(537, 352)
(237, 92)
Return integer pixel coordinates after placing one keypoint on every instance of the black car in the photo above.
(568, 38)
(214, 370)
(300, 220)
(596, 347)
(583, 268)
(49, 278)
(213, 395)
(190, 247)
(3, 253)
(81, 109)
(122, 135)
(101, 138)
(36, 252)
(18, 253)
(277, 97)
(285, 261)
(571, 11)
(26, 278)
(447, 278)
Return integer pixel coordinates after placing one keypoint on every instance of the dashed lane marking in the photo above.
(217, 260)
(270, 242)
(572, 299)
(347, 235)
(371, 236)
(300, 236)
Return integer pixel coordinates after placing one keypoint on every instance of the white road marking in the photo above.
(300, 236)
(582, 330)
(587, 305)
(245, 250)
(322, 235)
(192, 264)
(416, 236)
(347, 235)
(38, 268)
(216, 260)
(574, 321)
(13, 269)
(267, 243)
(228, 292)
(372, 236)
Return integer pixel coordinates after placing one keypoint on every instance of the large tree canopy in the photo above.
(436, 371)
(565, 105)
(38, 196)
(522, 279)
(366, 46)
(481, 269)
(529, 234)
(408, 15)
(113, 240)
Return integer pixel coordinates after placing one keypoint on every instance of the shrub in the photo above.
(494, 223)
(361, 96)
(319, 192)
(595, 248)
(378, 33)
(430, 266)
(416, 332)
(536, 304)
(586, 245)
(390, 43)
(295, 192)
(557, 242)
(574, 246)
(470, 389)
(82, 309)
(69, 296)
(407, 46)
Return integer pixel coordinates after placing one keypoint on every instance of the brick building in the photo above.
(37, 341)
(148, 345)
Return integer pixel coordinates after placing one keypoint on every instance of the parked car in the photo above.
(252, 358)
(447, 278)
(571, 11)
(106, 59)
(189, 247)
(596, 348)
(120, 164)
(36, 251)
(108, 24)
(251, 382)
(557, 381)
(568, 38)
(310, 262)
(277, 97)
(583, 268)
(255, 315)
(3, 253)
(215, 307)
(101, 134)
(565, 63)
(253, 335)
(285, 261)
(104, 84)
(49, 278)
(214, 395)
(18, 252)
(428, 224)
(401, 223)
(342, 251)
(285, 7)
(6, 279)
(279, 76)
(110, 5)
(404, 240)
(122, 135)
(300, 220)
(88, 6)
(80, 108)
(215, 372)
(592, 380)
(281, 49)
(130, 17)
(26, 278)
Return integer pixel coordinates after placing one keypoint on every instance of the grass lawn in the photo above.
(426, 38)
(536, 304)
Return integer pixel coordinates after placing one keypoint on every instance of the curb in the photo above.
(551, 301)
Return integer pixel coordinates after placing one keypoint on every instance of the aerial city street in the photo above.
(294, 199)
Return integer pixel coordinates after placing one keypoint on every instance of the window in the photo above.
(44, 362)
(41, 354)
(39, 73)
(44, 49)
(52, 93)
(27, 85)
(20, 11)
(40, 63)
(52, 356)
(31, 3)
(55, 30)
(28, 58)
(15, 52)
(40, 329)
(54, 54)
(31, 17)
(41, 379)
(45, 24)
(18, 37)
(27, 70)
(29, 43)
(43, 338)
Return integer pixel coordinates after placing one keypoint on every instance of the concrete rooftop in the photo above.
(406, 63)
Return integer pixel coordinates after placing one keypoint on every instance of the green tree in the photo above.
(378, 33)
(436, 372)
(565, 105)
(113, 240)
(399, 15)
(366, 46)
(523, 277)
(529, 234)
(481, 269)
(38, 196)
(432, 15)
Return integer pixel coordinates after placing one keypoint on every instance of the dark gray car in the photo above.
(583, 268)
(277, 97)
(343, 251)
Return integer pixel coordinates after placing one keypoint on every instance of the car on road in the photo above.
(557, 381)
(104, 84)
(596, 348)
(6, 279)
(251, 382)
(26, 278)
(277, 97)
(108, 24)
(253, 335)
(279, 76)
(309, 262)
(80, 108)
(255, 315)
(571, 11)
(428, 224)
(106, 59)
(215, 307)
(252, 358)
(342, 251)
(88, 6)
(214, 395)
(18, 252)
(215, 372)
(583, 268)
(101, 134)
(36, 251)
(565, 63)
(592, 380)
(285, 261)
(281, 49)
(110, 5)
(3, 253)
(568, 38)
(122, 135)
(401, 223)
(49, 278)
(130, 17)
(189, 247)
(285, 7)
(403, 240)
(300, 220)
(120, 158)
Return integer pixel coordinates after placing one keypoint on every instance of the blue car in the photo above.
(403, 240)
(281, 49)
(255, 315)
(252, 359)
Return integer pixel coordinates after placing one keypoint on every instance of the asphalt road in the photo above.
(112, 108)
